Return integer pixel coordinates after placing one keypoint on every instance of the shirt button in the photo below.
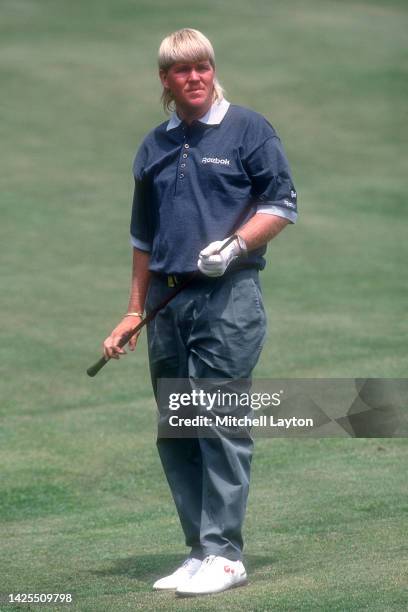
(182, 165)
(186, 146)
(181, 175)
(184, 155)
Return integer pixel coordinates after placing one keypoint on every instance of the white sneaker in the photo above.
(216, 574)
(177, 578)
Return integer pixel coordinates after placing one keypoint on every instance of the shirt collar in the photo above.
(213, 116)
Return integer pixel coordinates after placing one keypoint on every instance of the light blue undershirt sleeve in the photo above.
(279, 211)
(139, 244)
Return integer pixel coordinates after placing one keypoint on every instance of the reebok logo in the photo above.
(215, 160)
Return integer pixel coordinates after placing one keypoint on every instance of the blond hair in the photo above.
(186, 45)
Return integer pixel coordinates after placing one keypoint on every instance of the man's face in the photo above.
(191, 84)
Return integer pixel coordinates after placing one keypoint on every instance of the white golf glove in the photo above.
(212, 264)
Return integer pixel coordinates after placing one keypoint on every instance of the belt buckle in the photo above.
(171, 280)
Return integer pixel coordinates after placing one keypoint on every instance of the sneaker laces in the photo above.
(209, 560)
(188, 562)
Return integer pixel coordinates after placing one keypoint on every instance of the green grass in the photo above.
(84, 504)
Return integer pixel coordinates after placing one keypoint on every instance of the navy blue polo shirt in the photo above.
(199, 183)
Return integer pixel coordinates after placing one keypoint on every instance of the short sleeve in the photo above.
(140, 225)
(272, 185)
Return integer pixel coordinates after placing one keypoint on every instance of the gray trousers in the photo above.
(215, 328)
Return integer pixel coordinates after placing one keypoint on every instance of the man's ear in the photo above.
(163, 78)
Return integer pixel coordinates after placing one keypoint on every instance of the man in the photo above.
(213, 170)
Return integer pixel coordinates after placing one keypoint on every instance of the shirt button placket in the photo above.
(184, 156)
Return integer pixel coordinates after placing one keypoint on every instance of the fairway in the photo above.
(84, 505)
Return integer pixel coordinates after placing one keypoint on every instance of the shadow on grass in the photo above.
(153, 566)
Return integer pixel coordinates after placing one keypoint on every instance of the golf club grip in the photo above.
(94, 369)
(98, 365)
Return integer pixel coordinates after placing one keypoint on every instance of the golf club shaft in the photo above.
(98, 365)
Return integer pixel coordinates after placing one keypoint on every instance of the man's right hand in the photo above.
(111, 348)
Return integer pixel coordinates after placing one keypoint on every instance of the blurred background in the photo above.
(83, 501)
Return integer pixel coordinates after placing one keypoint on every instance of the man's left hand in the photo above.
(212, 263)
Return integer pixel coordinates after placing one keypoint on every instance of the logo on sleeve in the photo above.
(215, 160)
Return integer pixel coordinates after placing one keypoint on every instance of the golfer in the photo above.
(212, 171)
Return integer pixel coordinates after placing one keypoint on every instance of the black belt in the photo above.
(174, 280)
